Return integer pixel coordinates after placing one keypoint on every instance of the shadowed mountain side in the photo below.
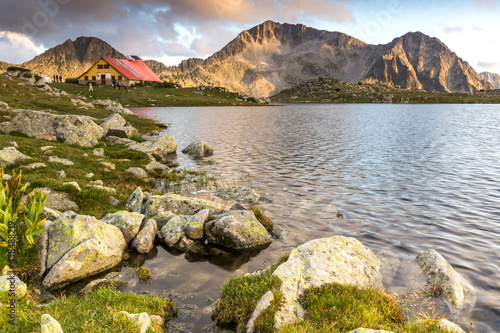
(492, 78)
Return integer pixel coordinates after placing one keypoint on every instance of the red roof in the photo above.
(133, 69)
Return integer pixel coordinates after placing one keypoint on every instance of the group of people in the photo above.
(118, 85)
(57, 78)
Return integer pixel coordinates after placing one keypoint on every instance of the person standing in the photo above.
(90, 87)
(54, 78)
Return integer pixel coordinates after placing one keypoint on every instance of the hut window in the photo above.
(119, 77)
(113, 77)
(86, 78)
(99, 66)
(93, 78)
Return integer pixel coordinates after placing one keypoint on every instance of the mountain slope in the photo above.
(492, 78)
(72, 58)
(272, 56)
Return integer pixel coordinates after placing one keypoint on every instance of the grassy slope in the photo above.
(143, 97)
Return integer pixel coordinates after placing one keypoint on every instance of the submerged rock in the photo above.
(440, 273)
(81, 246)
(198, 149)
(321, 261)
(237, 229)
(238, 193)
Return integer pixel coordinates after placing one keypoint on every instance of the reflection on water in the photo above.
(407, 177)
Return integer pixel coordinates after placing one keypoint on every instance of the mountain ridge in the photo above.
(272, 56)
(492, 78)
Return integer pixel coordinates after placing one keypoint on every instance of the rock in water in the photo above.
(78, 130)
(144, 241)
(440, 273)
(195, 224)
(177, 204)
(198, 149)
(10, 155)
(128, 223)
(321, 261)
(81, 246)
(162, 146)
(237, 229)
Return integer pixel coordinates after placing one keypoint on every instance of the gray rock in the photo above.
(237, 230)
(59, 200)
(81, 246)
(61, 174)
(162, 146)
(114, 120)
(6, 177)
(50, 214)
(239, 194)
(121, 141)
(177, 204)
(10, 155)
(195, 224)
(198, 149)
(263, 304)
(448, 326)
(128, 223)
(63, 161)
(328, 260)
(98, 152)
(138, 172)
(142, 320)
(20, 287)
(144, 241)
(13, 144)
(134, 202)
(440, 273)
(107, 189)
(173, 230)
(161, 220)
(50, 325)
(73, 185)
(123, 132)
(4, 107)
(34, 166)
(78, 130)
(154, 165)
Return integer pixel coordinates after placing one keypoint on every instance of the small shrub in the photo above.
(144, 274)
(16, 68)
(74, 81)
(37, 77)
(27, 75)
(252, 100)
(19, 222)
(262, 217)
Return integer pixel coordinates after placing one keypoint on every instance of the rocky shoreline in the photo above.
(77, 246)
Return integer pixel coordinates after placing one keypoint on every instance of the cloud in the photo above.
(14, 46)
(489, 64)
(157, 27)
(460, 29)
(485, 3)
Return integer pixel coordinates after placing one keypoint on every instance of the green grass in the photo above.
(160, 97)
(95, 312)
(144, 274)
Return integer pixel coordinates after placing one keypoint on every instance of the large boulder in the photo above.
(198, 149)
(129, 223)
(78, 130)
(162, 146)
(123, 132)
(114, 120)
(237, 229)
(440, 273)
(172, 232)
(177, 204)
(81, 246)
(144, 241)
(322, 261)
(10, 155)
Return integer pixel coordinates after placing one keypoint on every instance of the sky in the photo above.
(173, 30)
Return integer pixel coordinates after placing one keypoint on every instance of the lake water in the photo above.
(407, 177)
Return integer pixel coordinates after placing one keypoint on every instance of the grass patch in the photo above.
(95, 312)
(262, 217)
(144, 274)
